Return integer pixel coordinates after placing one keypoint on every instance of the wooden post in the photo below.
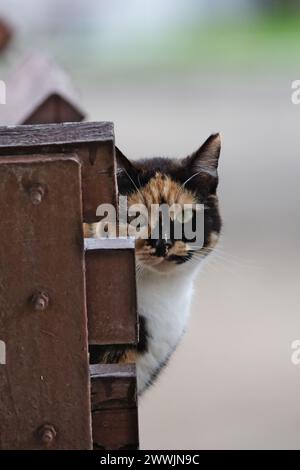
(114, 411)
(53, 177)
(40, 92)
(44, 384)
(114, 400)
(103, 299)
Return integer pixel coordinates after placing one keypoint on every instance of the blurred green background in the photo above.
(151, 37)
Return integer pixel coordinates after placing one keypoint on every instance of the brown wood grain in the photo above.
(46, 379)
(114, 407)
(44, 135)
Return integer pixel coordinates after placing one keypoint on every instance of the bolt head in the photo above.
(40, 301)
(46, 434)
(36, 194)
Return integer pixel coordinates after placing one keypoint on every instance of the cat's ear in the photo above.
(123, 163)
(202, 165)
(206, 158)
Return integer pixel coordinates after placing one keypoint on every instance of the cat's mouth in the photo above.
(149, 258)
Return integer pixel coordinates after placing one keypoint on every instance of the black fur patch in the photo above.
(143, 335)
(113, 354)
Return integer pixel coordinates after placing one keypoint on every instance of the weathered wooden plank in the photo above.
(111, 296)
(98, 177)
(114, 407)
(44, 135)
(44, 385)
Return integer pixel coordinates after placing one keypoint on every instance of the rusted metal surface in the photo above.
(114, 407)
(111, 296)
(55, 99)
(44, 385)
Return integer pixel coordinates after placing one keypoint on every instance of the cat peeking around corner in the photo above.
(166, 264)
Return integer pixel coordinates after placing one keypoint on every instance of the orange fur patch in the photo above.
(160, 188)
(129, 357)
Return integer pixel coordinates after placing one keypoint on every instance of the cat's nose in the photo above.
(162, 246)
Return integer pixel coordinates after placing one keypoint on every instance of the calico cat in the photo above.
(166, 269)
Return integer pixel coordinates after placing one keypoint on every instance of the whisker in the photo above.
(187, 180)
(226, 256)
(137, 189)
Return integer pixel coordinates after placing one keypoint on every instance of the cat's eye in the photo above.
(184, 216)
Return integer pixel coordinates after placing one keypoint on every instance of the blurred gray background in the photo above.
(168, 73)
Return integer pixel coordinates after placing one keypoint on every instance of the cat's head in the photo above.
(185, 182)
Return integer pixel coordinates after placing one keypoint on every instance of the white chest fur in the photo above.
(164, 302)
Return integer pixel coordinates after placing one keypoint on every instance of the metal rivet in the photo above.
(40, 301)
(36, 194)
(46, 434)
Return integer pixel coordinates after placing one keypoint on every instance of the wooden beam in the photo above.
(57, 273)
(44, 383)
(44, 135)
(111, 295)
(114, 407)
(92, 142)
